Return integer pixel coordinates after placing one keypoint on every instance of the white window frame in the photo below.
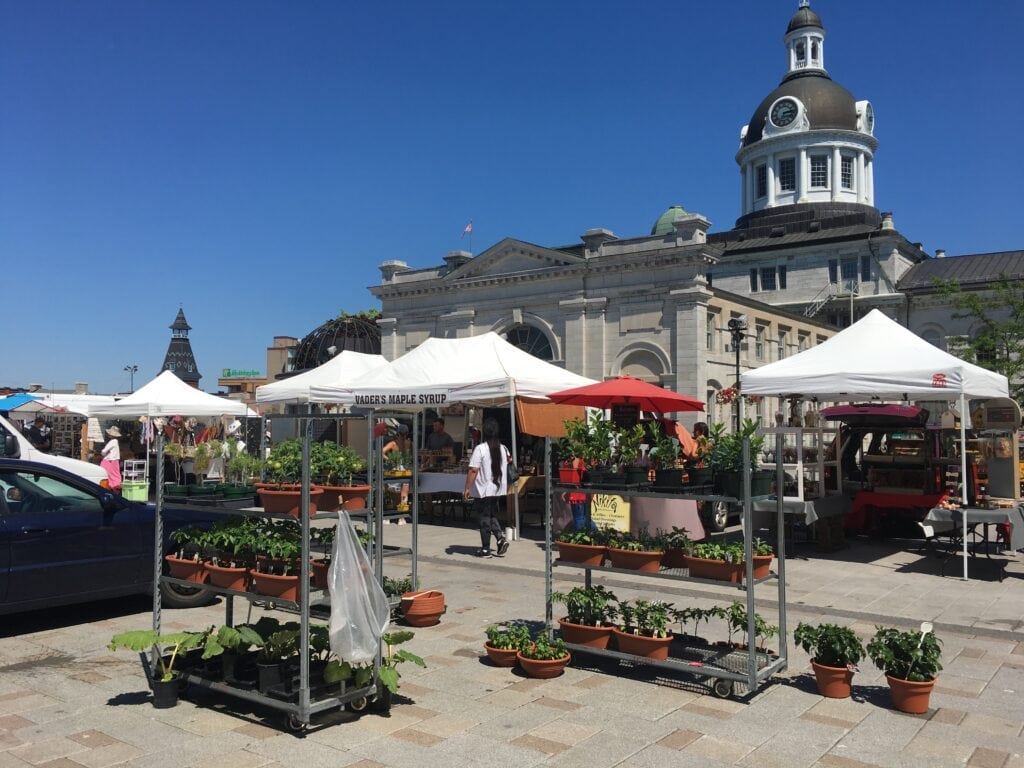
(782, 176)
(819, 160)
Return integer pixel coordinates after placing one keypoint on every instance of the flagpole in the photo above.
(470, 237)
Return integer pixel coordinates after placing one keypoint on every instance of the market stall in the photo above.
(483, 370)
(878, 358)
(344, 367)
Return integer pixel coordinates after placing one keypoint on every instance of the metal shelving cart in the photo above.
(298, 703)
(726, 667)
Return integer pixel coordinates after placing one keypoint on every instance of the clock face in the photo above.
(869, 118)
(784, 112)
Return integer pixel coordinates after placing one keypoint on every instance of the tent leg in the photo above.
(963, 475)
(515, 460)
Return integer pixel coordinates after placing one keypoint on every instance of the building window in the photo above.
(762, 180)
(759, 343)
(782, 277)
(847, 172)
(819, 171)
(849, 270)
(753, 281)
(814, 51)
(833, 271)
(767, 278)
(787, 174)
(801, 342)
(782, 344)
(710, 340)
(170, 366)
(530, 339)
(801, 52)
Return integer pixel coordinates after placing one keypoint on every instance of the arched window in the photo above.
(801, 52)
(644, 365)
(530, 339)
(814, 51)
(933, 337)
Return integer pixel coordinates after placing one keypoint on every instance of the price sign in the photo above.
(607, 510)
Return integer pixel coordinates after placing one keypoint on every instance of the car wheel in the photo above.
(715, 516)
(177, 596)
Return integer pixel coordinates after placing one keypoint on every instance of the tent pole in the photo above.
(515, 460)
(963, 475)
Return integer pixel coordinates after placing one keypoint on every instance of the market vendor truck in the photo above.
(14, 445)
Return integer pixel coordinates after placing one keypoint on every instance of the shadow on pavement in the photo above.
(72, 615)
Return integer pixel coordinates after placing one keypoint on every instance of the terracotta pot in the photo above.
(833, 682)
(228, 578)
(189, 570)
(330, 498)
(642, 645)
(587, 554)
(288, 502)
(501, 657)
(910, 697)
(422, 609)
(284, 587)
(719, 570)
(673, 558)
(762, 566)
(354, 496)
(646, 562)
(583, 634)
(542, 668)
(320, 569)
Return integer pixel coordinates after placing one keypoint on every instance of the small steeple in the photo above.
(179, 358)
(805, 41)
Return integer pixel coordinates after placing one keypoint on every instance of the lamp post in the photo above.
(737, 328)
(131, 370)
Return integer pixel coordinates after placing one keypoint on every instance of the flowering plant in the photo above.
(726, 396)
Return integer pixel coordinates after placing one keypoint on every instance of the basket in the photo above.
(135, 491)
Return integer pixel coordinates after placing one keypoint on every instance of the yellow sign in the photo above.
(609, 511)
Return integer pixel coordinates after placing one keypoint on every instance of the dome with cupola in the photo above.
(663, 225)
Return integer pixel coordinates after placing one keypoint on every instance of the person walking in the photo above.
(486, 483)
(111, 461)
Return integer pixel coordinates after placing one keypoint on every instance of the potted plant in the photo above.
(276, 649)
(628, 454)
(573, 451)
(186, 561)
(282, 495)
(727, 460)
(589, 614)
(176, 453)
(586, 547)
(697, 615)
(278, 573)
(720, 562)
(169, 649)
(736, 619)
(235, 541)
(201, 459)
(241, 470)
(544, 657)
(640, 552)
(910, 661)
(698, 469)
(323, 540)
(675, 546)
(388, 676)
(643, 628)
(333, 466)
(763, 555)
(668, 475)
(504, 642)
(835, 652)
(423, 609)
(229, 643)
(600, 437)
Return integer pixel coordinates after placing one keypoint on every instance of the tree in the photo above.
(996, 341)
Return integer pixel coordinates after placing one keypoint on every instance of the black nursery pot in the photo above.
(269, 675)
(165, 693)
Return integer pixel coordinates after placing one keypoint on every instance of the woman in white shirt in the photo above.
(111, 461)
(486, 483)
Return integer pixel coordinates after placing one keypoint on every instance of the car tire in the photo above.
(176, 596)
(715, 515)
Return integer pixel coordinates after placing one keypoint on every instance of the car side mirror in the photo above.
(13, 494)
(11, 448)
(109, 502)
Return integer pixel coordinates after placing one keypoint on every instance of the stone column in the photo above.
(770, 203)
(690, 358)
(836, 177)
(458, 324)
(802, 176)
(861, 191)
(573, 340)
(389, 346)
(869, 181)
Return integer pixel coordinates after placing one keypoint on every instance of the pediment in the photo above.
(511, 256)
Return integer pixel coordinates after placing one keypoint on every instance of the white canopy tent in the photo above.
(345, 367)
(484, 370)
(167, 395)
(877, 357)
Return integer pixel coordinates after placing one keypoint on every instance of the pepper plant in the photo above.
(829, 644)
(506, 637)
(591, 606)
(912, 656)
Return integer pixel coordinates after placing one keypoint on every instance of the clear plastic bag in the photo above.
(360, 613)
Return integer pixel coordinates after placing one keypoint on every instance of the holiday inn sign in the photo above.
(235, 373)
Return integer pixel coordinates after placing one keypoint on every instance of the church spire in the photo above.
(179, 358)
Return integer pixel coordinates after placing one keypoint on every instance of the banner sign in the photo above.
(236, 373)
(403, 398)
(610, 511)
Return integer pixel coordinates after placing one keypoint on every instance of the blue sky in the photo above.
(256, 161)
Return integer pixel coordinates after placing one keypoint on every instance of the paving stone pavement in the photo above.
(67, 702)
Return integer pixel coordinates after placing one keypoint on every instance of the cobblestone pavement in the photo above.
(67, 702)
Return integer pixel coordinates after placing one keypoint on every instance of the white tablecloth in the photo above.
(1014, 516)
(811, 509)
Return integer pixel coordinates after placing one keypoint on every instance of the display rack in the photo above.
(299, 703)
(725, 667)
(807, 455)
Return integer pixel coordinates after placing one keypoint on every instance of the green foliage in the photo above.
(389, 675)
(829, 644)
(231, 639)
(629, 442)
(910, 656)
(285, 462)
(168, 646)
(736, 618)
(572, 536)
(664, 447)
(201, 459)
(543, 648)
(646, 617)
(996, 340)
(397, 587)
(593, 606)
(641, 541)
(514, 635)
(697, 615)
(677, 538)
(727, 448)
(730, 552)
(333, 463)
(241, 467)
(761, 547)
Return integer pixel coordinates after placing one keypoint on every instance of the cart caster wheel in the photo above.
(358, 705)
(722, 689)
(295, 725)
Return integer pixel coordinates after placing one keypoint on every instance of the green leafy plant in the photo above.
(736, 618)
(641, 541)
(664, 447)
(762, 548)
(169, 647)
(332, 463)
(396, 587)
(231, 639)
(727, 448)
(677, 538)
(697, 615)
(829, 644)
(241, 467)
(593, 606)
(590, 538)
(910, 656)
(646, 617)
(285, 462)
(514, 635)
(279, 645)
(629, 442)
(190, 541)
(731, 552)
(544, 648)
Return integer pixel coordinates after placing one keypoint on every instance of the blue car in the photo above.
(64, 539)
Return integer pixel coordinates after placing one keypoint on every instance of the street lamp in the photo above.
(737, 328)
(131, 370)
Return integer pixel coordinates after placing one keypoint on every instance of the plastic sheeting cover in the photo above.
(360, 613)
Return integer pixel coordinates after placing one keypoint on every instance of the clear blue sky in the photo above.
(255, 161)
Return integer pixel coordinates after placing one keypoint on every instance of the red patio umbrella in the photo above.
(626, 390)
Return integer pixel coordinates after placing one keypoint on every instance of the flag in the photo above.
(468, 230)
